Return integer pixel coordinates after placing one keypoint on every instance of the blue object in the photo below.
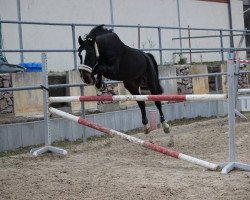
(32, 66)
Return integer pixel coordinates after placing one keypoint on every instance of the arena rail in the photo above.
(244, 91)
(154, 147)
(198, 97)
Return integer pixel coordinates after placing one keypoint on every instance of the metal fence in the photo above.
(138, 27)
(160, 49)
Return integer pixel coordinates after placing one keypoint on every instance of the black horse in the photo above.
(106, 55)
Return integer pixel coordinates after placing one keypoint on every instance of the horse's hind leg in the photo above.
(164, 123)
(133, 88)
(154, 90)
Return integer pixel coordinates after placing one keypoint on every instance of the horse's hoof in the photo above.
(171, 141)
(166, 127)
(146, 129)
(100, 86)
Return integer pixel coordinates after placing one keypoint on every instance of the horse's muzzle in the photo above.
(86, 74)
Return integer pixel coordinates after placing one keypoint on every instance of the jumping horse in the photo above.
(106, 55)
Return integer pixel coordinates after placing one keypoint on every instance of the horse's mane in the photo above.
(98, 30)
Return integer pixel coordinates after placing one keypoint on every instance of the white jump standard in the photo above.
(232, 93)
(48, 147)
(143, 143)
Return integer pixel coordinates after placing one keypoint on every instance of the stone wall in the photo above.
(243, 78)
(184, 85)
(6, 98)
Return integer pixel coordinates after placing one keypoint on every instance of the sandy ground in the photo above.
(112, 168)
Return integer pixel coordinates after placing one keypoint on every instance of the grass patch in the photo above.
(18, 151)
(66, 144)
(98, 138)
(186, 121)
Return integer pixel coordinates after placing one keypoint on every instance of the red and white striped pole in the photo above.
(132, 139)
(244, 61)
(198, 97)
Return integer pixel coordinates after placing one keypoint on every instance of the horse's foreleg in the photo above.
(99, 69)
(164, 123)
(99, 82)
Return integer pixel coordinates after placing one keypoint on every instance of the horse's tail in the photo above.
(154, 63)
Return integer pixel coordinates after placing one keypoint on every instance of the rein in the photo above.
(96, 51)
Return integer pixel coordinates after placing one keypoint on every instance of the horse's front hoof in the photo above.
(100, 86)
(166, 127)
(146, 129)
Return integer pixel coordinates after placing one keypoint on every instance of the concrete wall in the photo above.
(195, 13)
(30, 102)
(27, 102)
(73, 77)
(169, 86)
(200, 84)
(14, 136)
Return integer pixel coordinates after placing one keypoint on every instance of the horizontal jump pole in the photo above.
(198, 97)
(244, 61)
(132, 139)
(244, 91)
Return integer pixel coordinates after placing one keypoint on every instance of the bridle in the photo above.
(97, 54)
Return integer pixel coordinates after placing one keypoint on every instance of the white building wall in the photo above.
(196, 14)
(202, 14)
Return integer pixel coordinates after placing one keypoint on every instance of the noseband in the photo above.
(85, 68)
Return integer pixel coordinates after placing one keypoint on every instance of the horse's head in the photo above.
(90, 60)
(92, 54)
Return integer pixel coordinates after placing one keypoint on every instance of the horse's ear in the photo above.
(102, 26)
(80, 40)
